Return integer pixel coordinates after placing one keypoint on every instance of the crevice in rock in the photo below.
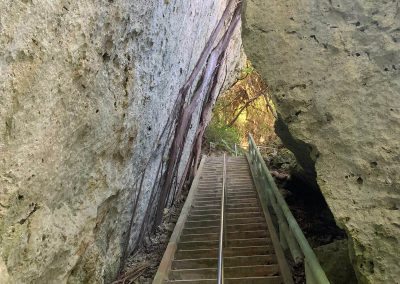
(205, 76)
(306, 154)
(33, 207)
(204, 91)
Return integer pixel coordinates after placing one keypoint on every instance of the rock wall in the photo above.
(333, 68)
(87, 95)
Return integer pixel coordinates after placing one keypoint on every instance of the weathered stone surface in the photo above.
(330, 255)
(333, 67)
(86, 89)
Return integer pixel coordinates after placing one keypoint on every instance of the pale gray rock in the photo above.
(86, 89)
(333, 67)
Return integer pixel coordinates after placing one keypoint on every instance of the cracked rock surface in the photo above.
(86, 90)
(333, 67)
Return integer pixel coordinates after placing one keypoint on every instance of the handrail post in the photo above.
(225, 201)
(222, 233)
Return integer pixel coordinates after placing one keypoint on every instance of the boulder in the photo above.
(87, 95)
(330, 255)
(333, 68)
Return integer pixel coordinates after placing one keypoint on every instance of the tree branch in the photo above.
(242, 109)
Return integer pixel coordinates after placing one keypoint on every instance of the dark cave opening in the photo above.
(311, 211)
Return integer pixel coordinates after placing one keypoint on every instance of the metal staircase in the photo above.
(225, 233)
(249, 255)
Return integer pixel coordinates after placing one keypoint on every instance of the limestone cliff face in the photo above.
(88, 92)
(334, 71)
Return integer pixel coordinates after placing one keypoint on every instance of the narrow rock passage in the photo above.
(249, 256)
(201, 88)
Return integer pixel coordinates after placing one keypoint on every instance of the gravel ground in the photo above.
(141, 267)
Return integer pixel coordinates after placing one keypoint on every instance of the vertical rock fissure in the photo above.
(306, 154)
(203, 91)
(176, 129)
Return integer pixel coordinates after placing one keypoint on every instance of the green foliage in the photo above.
(246, 107)
(221, 135)
(249, 69)
(242, 109)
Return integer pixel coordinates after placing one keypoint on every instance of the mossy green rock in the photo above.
(335, 261)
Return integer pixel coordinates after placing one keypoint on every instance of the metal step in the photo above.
(230, 200)
(229, 272)
(230, 193)
(217, 195)
(216, 222)
(228, 261)
(213, 196)
(247, 280)
(229, 228)
(231, 251)
(214, 236)
(197, 211)
(217, 205)
(233, 204)
(231, 243)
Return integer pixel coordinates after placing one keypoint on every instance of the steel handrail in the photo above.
(314, 271)
(222, 231)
